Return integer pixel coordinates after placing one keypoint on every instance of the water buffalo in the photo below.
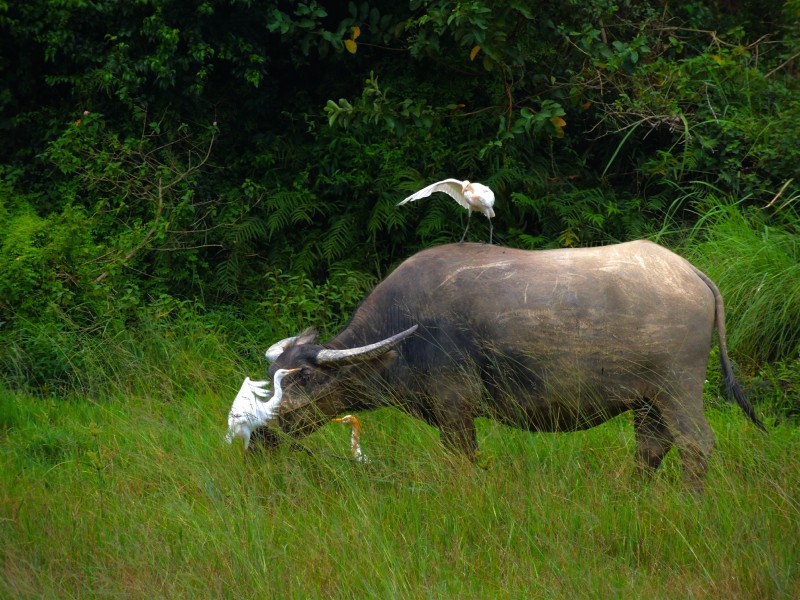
(551, 340)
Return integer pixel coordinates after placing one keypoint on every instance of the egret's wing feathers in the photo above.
(259, 389)
(451, 187)
(261, 392)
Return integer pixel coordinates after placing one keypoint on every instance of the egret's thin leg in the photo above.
(490, 231)
(469, 214)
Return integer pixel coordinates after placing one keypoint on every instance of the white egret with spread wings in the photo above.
(475, 197)
(251, 410)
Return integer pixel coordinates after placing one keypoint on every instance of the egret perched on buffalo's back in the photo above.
(355, 437)
(250, 410)
(472, 196)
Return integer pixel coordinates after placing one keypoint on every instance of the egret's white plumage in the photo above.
(251, 410)
(472, 196)
(355, 437)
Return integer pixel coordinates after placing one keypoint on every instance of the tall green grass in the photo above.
(136, 497)
(754, 258)
(163, 353)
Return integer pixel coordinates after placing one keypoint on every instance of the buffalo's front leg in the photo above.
(460, 437)
(454, 414)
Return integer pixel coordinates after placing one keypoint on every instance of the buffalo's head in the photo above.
(329, 381)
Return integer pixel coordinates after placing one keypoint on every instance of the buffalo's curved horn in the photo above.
(274, 351)
(353, 355)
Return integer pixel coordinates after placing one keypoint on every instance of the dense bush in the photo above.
(205, 152)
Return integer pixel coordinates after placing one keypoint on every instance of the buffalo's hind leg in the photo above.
(695, 441)
(682, 413)
(653, 439)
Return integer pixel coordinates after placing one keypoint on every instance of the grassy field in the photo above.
(141, 498)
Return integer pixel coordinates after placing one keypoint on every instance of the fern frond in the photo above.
(528, 242)
(307, 258)
(303, 213)
(440, 216)
(249, 230)
(386, 215)
(227, 274)
(467, 157)
(289, 207)
(411, 181)
(339, 238)
(408, 174)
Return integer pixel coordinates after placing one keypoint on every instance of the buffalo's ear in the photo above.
(381, 362)
(278, 348)
(309, 336)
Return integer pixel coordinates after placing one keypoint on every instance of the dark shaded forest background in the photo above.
(171, 170)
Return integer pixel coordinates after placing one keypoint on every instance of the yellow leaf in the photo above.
(586, 105)
(558, 122)
(717, 58)
(474, 52)
(356, 30)
(351, 46)
(568, 238)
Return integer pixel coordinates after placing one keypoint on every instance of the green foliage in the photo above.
(376, 107)
(291, 303)
(197, 150)
(582, 217)
(725, 119)
(304, 24)
(127, 205)
(45, 261)
(778, 388)
(166, 345)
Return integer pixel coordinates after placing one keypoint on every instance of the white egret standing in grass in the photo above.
(472, 196)
(355, 437)
(250, 410)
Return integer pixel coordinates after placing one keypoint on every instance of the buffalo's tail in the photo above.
(732, 386)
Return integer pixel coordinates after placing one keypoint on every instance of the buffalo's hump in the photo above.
(637, 297)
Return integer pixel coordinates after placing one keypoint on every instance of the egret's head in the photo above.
(349, 420)
(280, 374)
(355, 438)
